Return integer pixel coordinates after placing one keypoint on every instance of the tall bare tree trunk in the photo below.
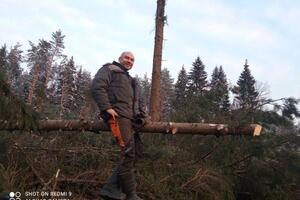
(62, 99)
(157, 57)
(33, 83)
(48, 72)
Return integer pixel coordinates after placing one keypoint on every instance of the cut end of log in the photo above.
(257, 129)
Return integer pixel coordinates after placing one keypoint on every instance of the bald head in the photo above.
(126, 59)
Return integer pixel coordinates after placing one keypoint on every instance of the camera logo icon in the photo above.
(15, 196)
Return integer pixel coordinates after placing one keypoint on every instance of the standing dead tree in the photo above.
(157, 57)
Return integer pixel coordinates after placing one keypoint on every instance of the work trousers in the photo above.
(133, 149)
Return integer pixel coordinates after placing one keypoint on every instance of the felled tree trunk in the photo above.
(152, 127)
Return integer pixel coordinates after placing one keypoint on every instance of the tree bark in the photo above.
(152, 127)
(33, 83)
(48, 71)
(157, 57)
(62, 98)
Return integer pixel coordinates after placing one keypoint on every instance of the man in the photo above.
(118, 97)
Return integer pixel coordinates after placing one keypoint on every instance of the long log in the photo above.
(152, 127)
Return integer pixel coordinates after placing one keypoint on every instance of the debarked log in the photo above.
(152, 127)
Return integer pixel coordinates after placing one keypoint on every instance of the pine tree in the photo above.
(26, 81)
(167, 95)
(160, 20)
(56, 89)
(219, 90)
(57, 46)
(3, 60)
(68, 88)
(57, 43)
(42, 59)
(37, 59)
(246, 93)
(15, 59)
(33, 63)
(197, 78)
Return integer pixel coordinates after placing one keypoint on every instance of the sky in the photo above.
(220, 32)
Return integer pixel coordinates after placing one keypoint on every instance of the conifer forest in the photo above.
(43, 83)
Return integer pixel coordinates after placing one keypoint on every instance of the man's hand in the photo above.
(112, 112)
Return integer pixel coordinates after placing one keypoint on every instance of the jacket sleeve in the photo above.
(100, 86)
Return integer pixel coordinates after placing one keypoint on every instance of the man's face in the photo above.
(127, 60)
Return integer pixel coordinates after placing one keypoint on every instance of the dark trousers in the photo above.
(123, 178)
(133, 149)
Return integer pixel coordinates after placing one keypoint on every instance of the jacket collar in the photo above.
(119, 65)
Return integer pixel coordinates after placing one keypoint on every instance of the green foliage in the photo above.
(275, 165)
(290, 109)
(180, 101)
(272, 119)
(3, 60)
(146, 89)
(167, 95)
(219, 91)
(15, 71)
(197, 78)
(246, 93)
(13, 111)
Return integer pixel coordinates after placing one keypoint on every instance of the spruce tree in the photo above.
(146, 89)
(181, 87)
(181, 96)
(167, 95)
(197, 93)
(246, 93)
(219, 90)
(83, 81)
(197, 78)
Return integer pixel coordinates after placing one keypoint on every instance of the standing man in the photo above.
(117, 95)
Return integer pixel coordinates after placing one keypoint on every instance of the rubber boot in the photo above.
(128, 185)
(112, 189)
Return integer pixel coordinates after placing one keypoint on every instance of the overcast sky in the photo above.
(220, 32)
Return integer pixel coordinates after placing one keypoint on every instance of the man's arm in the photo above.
(99, 88)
